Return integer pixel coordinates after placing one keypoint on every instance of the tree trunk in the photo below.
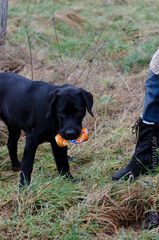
(3, 20)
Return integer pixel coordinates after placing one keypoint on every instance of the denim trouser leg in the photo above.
(151, 103)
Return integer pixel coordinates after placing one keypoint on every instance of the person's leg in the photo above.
(145, 156)
(151, 102)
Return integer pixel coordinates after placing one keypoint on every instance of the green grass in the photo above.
(121, 27)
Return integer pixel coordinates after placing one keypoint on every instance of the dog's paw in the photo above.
(16, 169)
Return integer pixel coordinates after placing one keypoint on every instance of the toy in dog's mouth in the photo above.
(61, 142)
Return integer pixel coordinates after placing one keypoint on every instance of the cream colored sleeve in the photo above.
(154, 64)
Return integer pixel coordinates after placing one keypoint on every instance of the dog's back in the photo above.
(19, 97)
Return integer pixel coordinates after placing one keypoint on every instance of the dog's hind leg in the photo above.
(28, 158)
(14, 134)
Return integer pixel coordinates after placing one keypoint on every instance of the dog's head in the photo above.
(69, 104)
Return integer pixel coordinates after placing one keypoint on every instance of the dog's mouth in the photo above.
(70, 133)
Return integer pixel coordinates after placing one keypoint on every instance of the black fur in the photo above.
(42, 110)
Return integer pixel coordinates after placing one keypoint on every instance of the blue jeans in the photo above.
(151, 103)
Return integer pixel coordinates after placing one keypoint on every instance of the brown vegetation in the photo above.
(121, 206)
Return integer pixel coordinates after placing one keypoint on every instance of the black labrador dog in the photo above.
(42, 110)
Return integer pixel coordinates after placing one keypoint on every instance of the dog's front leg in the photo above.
(61, 159)
(28, 159)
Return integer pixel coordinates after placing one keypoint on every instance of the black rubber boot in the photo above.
(145, 157)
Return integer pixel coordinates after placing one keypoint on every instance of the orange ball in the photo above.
(82, 138)
(61, 142)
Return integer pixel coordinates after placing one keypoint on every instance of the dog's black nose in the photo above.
(70, 134)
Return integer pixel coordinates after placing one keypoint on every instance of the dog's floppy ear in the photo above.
(50, 100)
(88, 100)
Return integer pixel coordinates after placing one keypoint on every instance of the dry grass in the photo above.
(12, 57)
(120, 206)
(72, 19)
(117, 2)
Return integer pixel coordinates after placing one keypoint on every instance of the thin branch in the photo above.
(29, 39)
(95, 50)
(56, 35)
(3, 20)
(89, 62)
